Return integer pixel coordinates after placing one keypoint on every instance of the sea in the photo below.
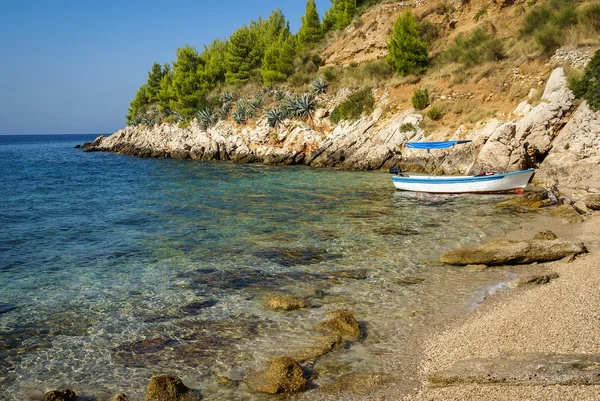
(115, 268)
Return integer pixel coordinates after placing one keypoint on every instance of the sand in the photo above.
(558, 319)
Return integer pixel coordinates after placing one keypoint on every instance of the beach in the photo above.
(536, 343)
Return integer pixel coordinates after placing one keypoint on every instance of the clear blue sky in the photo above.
(73, 66)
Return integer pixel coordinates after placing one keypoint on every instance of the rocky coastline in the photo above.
(564, 133)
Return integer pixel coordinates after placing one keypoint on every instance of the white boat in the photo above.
(485, 183)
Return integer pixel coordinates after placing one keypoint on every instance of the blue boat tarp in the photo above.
(433, 145)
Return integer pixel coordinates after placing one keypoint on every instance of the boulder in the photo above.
(284, 375)
(286, 302)
(169, 388)
(60, 395)
(120, 397)
(343, 323)
(322, 346)
(592, 201)
(567, 214)
(503, 252)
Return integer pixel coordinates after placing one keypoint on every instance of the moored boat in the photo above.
(485, 183)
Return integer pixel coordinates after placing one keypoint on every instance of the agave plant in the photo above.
(275, 117)
(224, 111)
(319, 86)
(206, 118)
(239, 117)
(304, 106)
(228, 97)
(254, 104)
(279, 94)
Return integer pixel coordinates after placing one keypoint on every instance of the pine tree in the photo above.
(154, 78)
(138, 105)
(310, 31)
(213, 58)
(242, 57)
(278, 60)
(339, 15)
(165, 92)
(187, 91)
(407, 52)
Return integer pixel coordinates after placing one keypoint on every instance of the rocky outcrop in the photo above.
(504, 252)
(169, 388)
(568, 146)
(574, 162)
(343, 323)
(284, 375)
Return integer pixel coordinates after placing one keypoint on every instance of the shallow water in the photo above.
(114, 269)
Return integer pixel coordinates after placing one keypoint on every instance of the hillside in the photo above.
(498, 74)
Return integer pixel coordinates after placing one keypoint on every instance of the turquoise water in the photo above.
(114, 268)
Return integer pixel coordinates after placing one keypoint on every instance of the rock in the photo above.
(343, 323)
(545, 236)
(169, 388)
(581, 207)
(120, 397)
(592, 201)
(284, 375)
(60, 395)
(567, 214)
(525, 203)
(537, 279)
(323, 346)
(286, 302)
(503, 252)
(225, 382)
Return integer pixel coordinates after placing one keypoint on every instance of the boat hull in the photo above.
(514, 182)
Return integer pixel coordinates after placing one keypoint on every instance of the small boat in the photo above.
(484, 183)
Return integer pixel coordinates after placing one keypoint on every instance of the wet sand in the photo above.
(556, 320)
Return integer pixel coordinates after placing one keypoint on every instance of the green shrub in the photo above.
(420, 99)
(479, 14)
(428, 32)
(588, 87)
(354, 106)
(590, 16)
(548, 38)
(435, 113)
(330, 74)
(407, 127)
(535, 19)
(475, 48)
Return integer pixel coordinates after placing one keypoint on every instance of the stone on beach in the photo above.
(284, 375)
(545, 236)
(537, 279)
(592, 201)
(567, 214)
(120, 397)
(169, 388)
(503, 252)
(60, 395)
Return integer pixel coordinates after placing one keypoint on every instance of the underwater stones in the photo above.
(286, 302)
(567, 214)
(195, 308)
(120, 397)
(284, 375)
(5, 308)
(408, 280)
(343, 323)
(526, 203)
(169, 388)
(502, 252)
(592, 201)
(60, 395)
(545, 236)
(225, 381)
(537, 279)
(352, 274)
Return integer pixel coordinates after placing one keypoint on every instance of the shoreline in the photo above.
(487, 353)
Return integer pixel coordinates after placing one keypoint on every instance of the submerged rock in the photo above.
(323, 346)
(60, 395)
(409, 280)
(343, 323)
(284, 375)
(286, 302)
(169, 388)
(502, 252)
(120, 397)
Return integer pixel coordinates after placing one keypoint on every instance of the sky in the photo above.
(73, 66)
